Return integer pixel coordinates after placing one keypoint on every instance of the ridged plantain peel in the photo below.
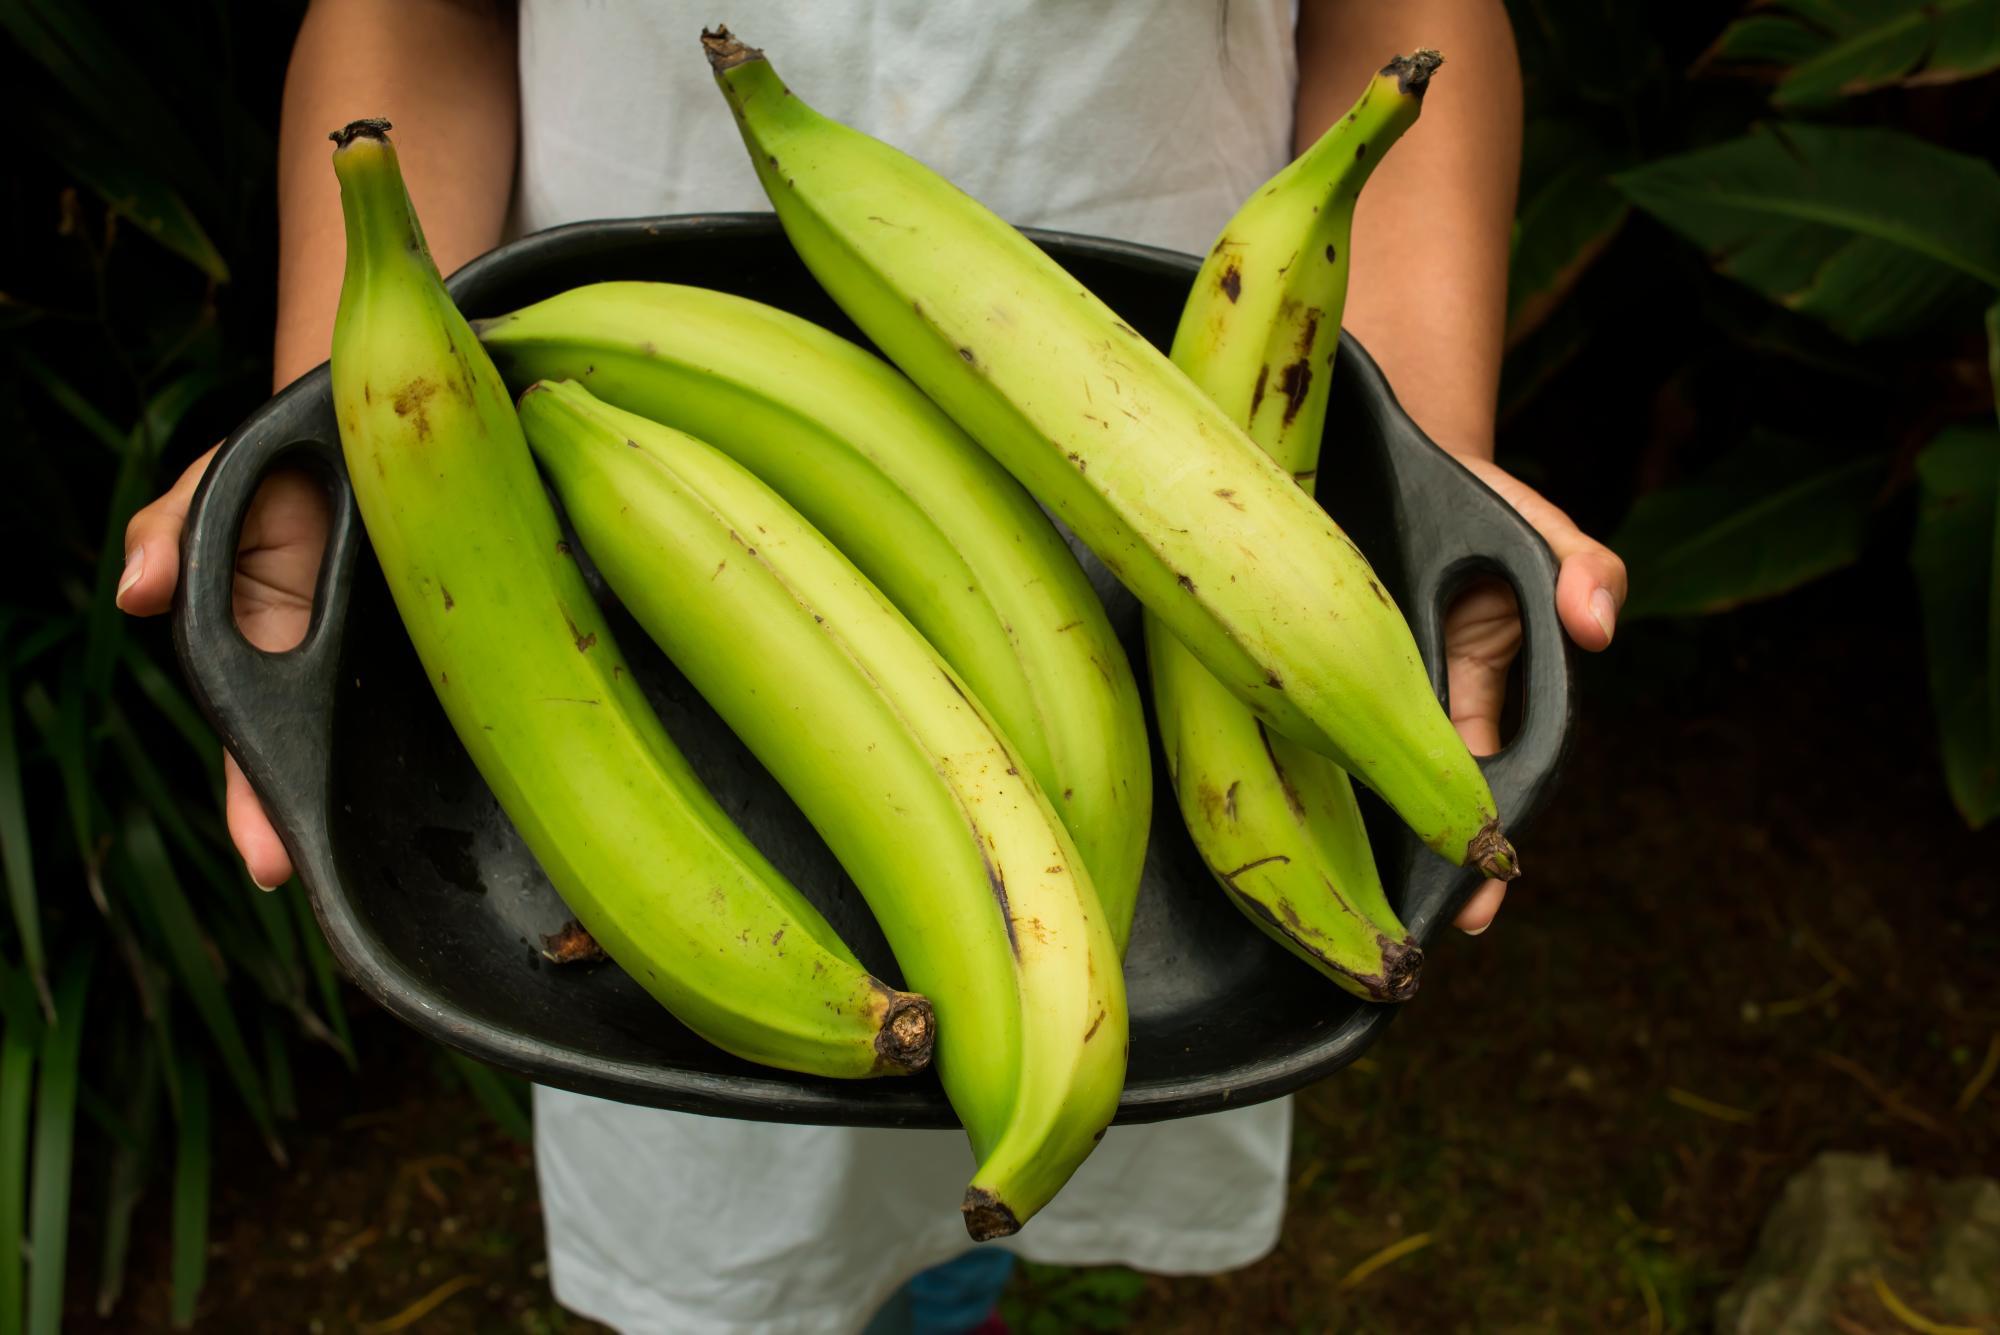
(1277, 822)
(922, 797)
(536, 689)
(1169, 492)
(940, 528)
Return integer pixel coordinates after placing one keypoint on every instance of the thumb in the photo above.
(1590, 586)
(153, 546)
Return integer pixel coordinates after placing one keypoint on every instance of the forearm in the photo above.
(443, 73)
(1428, 291)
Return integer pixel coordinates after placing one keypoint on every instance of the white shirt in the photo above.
(1145, 120)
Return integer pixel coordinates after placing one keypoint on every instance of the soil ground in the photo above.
(1752, 928)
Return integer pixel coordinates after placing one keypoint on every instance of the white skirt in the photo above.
(665, 1223)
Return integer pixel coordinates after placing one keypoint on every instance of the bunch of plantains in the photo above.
(847, 559)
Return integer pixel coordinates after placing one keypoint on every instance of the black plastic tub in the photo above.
(436, 909)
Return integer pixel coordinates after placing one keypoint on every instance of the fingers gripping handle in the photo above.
(1443, 547)
(272, 710)
(1524, 771)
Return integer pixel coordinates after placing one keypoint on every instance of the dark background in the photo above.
(1749, 347)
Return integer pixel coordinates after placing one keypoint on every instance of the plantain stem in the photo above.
(1492, 854)
(1402, 967)
(1413, 72)
(907, 1036)
(724, 51)
(373, 127)
(987, 1216)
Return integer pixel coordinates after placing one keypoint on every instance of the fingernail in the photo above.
(1480, 931)
(1604, 611)
(267, 889)
(135, 569)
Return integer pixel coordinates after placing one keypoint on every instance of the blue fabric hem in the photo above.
(947, 1299)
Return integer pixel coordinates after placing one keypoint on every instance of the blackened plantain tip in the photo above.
(1492, 854)
(987, 1216)
(1413, 72)
(1402, 967)
(372, 127)
(908, 1035)
(724, 52)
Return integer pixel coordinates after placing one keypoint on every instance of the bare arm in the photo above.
(1427, 296)
(1428, 291)
(443, 71)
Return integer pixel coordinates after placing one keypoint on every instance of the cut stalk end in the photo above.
(908, 1035)
(724, 52)
(1492, 854)
(1402, 968)
(986, 1217)
(374, 127)
(1413, 72)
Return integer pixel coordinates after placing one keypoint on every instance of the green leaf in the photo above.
(74, 402)
(15, 850)
(62, 727)
(1993, 588)
(161, 797)
(100, 1114)
(1543, 354)
(191, 1173)
(161, 416)
(1775, 515)
(17, 1082)
(16, 314)
(1953, 555)
(31, 645)
(132, 191)
(103, 79)
(319, 960)
(1873, 231)
(125, 1184)
(175, 707)
(1767, 38)
(277, 925)
(278, 1061)
(1599, 52)
(1562, 228)
(1766, 329)
(501, 1096)
(1838, 48)
(156, 891)
(275, 961)
(18, 1003)
(172, 402)
(54, 1156)
(1993, 352)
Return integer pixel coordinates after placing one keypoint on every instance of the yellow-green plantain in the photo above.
(527, 671)
(916, 790)
(927, 516)
(1171, 494)
(1276, 822)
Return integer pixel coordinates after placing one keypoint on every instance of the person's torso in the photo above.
(1146, 120)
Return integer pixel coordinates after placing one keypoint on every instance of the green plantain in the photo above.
(535, 687)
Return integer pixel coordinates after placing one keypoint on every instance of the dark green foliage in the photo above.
(1058, 1300)
(1874, 232)
(1955, 554)
(1771, 516)
(1794, 315)
(1829, 49)
(135, 327)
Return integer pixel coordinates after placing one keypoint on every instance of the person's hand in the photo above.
(1482, 634)
(277, 564)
